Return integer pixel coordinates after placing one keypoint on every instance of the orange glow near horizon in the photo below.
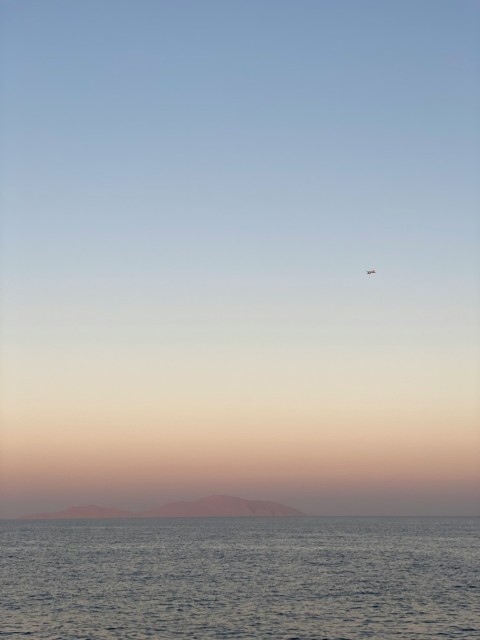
(282, 421)
(240, 455)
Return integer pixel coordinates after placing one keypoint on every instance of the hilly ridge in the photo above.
(212, 506)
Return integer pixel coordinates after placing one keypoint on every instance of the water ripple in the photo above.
(288, 579)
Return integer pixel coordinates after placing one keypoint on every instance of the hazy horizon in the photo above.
(192, 195)
(134, 509)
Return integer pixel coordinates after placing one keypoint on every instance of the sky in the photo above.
(192, 193)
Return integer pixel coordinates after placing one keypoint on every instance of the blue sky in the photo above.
(229, 170)
(253, 150)
(315, 133)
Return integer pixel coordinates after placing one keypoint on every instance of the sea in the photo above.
(284, 578)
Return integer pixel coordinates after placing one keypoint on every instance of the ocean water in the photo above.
(303, 578)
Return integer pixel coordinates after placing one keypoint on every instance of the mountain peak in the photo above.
(221, 505)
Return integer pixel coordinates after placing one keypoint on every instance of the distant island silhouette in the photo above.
(210, 507)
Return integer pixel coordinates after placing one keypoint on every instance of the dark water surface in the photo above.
(305, 578)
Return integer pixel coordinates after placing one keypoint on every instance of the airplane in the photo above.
(371, 271)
